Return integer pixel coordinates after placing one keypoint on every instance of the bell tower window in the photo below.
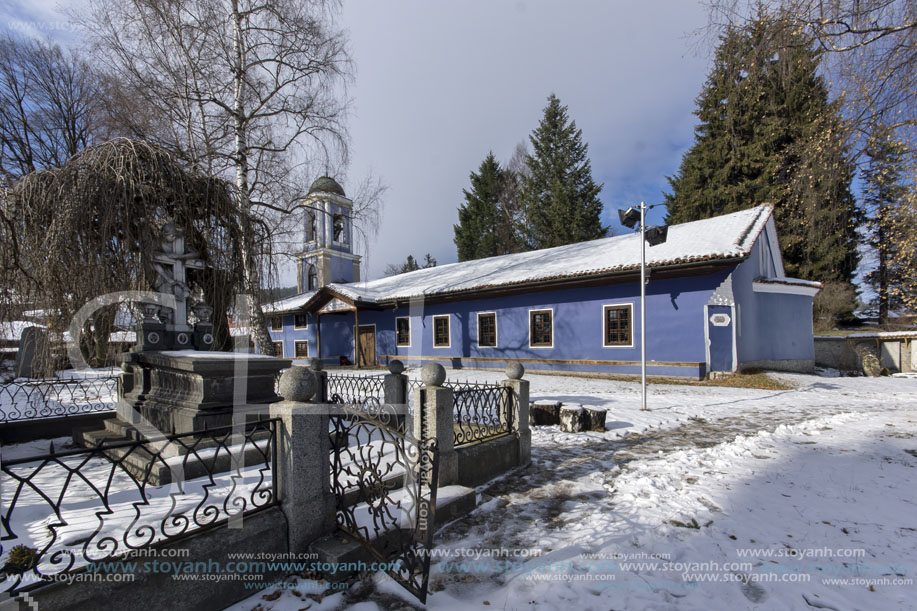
(340, 230)
(313, 278)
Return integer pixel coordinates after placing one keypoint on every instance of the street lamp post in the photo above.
(654, 235)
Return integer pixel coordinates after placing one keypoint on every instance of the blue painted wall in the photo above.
(772, 327)
(337, 336)
(675, 328)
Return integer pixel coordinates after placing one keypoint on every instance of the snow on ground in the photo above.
(716, 498)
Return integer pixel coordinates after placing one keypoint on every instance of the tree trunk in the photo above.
(250, 268)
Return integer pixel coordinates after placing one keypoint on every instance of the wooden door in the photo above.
(367, 346)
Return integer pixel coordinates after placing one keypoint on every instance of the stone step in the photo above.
(345, 552)
(157, 470)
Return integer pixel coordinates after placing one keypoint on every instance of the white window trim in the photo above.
(605, 325)
(305, 326)
(271, 325)
(496, 330)
(551, 310)
(407, 345)
(300, 341)
(283, 348)
(449, 322)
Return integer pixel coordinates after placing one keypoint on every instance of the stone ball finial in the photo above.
(396, 366)
(297, 384)
(515, 370)
(316, 364)
(433, 374)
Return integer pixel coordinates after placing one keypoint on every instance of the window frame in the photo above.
(297, 326)
(296, 344)
(282, 350)
(448, 330)
(398, 344)
(277, 317)
(496, 333)
(532, 313)
(610, 306)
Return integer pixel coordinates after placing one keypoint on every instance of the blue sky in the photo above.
(439, 84)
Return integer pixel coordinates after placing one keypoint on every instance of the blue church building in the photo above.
(717, 300)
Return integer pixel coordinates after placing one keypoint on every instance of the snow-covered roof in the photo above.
(730, 236)
(290, 303)
(791, 282)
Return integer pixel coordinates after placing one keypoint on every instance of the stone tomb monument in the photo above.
(172, 382)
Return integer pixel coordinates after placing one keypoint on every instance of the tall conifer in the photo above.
(477, 235)
(768, 134)
(561, 199)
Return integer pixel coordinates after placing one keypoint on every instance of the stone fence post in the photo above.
(321, 381)
(433, 418)
(395, 393)
(303, 466)
(517, 397)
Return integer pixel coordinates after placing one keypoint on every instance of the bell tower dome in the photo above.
(327, 254)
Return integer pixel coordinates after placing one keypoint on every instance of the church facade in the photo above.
(717, 300)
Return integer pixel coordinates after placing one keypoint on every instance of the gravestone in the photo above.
(33, 346)
(173, 380)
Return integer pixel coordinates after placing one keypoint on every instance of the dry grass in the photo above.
(752, 379)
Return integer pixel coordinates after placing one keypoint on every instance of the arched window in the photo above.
(310, 225)
(340, 235)
(313, 278)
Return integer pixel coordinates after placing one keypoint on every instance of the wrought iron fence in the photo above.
(481, 411)
(354, 389)
(64, 510)
(55, 397)
(384, 482)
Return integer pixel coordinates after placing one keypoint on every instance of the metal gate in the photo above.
(384, 481)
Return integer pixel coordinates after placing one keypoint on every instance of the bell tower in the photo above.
(327, 254)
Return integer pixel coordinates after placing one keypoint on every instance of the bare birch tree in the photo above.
(254, 90)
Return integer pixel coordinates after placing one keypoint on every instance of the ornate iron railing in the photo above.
(51, 398)
(481, 411)
(64, 510)
(384, 481)
(354, 389)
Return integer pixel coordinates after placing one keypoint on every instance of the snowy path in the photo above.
(715, 499)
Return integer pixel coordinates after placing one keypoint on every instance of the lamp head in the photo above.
(630, 217)
(656, 235)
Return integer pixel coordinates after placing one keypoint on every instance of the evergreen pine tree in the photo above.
(476, 235)
(768, 134)
(885, 199)
(560, 197)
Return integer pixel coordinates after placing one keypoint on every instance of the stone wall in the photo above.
(896, 353)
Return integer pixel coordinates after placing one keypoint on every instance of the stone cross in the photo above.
(171, 330)
(171, 263)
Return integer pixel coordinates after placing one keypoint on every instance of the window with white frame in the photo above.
(618, 325)
(301, 349)
(276, 323)
(487, 329)
(541, 328)
(278, 348)
(403, 331)
(300, 321)
(441, 331)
